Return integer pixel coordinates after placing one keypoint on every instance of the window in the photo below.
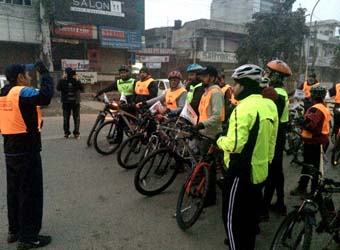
(18, 2)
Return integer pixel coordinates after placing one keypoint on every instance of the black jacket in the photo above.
(29, 99)
(70, 90)
(197, 95)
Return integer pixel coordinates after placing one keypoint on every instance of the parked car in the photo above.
(3, 81)
(163, 85)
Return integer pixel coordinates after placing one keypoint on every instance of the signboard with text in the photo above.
(154, 59)
(75, 64)
(82, 31)
(88, 77)
(120, 39)
(126, 14)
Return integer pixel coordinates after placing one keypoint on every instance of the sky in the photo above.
(160, 13)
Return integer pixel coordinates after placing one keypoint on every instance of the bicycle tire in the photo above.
(112, 138)
(144, 171)
(195, 189)
(335, 156)
(132, 144)
(99, 120)
(285, 232)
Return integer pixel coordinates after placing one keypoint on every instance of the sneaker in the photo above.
(76, 136)
(66, 136)
(11, 238)
(298, 191)
(280, 209)
(41, 242)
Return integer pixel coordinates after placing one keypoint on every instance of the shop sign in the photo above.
(77, 30)
(154, 59)
(75, 64)
(120, 39)
(88, 77)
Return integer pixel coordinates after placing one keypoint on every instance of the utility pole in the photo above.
(46, 53)
(314, 45)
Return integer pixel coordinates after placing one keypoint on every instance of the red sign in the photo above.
(77, 31)
(113, 34)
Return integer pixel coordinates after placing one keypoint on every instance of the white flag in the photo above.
(123, 98)
(189, 114)
(155, 107)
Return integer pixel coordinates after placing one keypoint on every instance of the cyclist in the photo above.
(335, 92)
(194, 86)
(174, 98)
(229, 99)
(125, 84)
(315, 131)
(277, 72)
(211, 115)
(306, 87)
(248, 148)
(146, 88)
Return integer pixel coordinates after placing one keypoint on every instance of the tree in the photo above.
(279, 34)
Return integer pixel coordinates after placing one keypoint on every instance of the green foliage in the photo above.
(279, 34)
(336, 60)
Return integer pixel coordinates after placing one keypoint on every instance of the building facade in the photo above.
(20, 34)
(238, 11)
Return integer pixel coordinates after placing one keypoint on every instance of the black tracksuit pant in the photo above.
(24, 195)
(241, 211)
(73, 108)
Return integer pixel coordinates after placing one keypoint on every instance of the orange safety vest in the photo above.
(142, 88)
(203, 108)
(171, 97)
(232, 99)
(307, 88)
(325, 126)
(337, 96)
(11, 120)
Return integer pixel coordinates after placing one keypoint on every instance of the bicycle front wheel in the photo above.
(98, 122)
(108, 138)
(191, 199)
(156, 172)
(131, 152)
(295, 232)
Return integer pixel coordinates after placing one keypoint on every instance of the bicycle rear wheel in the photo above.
(108, 138)
(131, 152)
(156, 172)
(295, 232)
(191, 199)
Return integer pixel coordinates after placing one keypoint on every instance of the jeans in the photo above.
(73, 108)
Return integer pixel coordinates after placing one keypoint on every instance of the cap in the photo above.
(12, 71)
(209, 70)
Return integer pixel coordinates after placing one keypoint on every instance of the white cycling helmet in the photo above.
(264, 82)
(248, 71)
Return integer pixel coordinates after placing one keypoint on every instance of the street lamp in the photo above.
(308, 40)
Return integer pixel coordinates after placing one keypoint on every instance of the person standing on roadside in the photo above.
(70, 88)
(20, 125)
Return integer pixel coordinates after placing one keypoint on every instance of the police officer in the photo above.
(20, 125)
(248, 148)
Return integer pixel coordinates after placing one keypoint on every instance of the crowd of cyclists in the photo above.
(248, 119)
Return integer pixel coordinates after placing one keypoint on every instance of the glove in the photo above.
(40, 67)
(199, 126)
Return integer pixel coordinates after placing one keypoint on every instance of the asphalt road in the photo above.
(91, 203)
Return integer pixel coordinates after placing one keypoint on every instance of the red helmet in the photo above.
(175, 74)
(280, 67)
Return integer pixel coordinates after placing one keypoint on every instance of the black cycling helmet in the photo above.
(124, 68)
(318, 92)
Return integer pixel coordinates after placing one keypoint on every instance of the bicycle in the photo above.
(109, 135)
(100, 119)
(158, 170)
(193, 194)
(296, 230)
